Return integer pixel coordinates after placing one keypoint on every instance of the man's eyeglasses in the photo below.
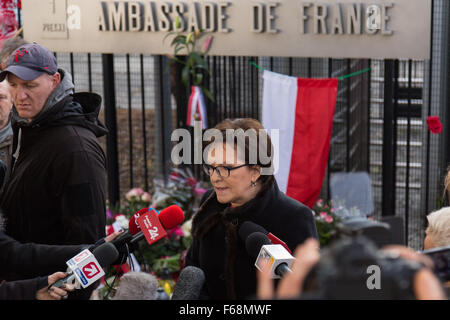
(222, 171)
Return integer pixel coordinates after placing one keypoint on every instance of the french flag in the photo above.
(302, 110)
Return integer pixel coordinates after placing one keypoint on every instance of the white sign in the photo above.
(329, 28)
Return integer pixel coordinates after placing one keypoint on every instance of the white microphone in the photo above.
(87, 267)
(278, 258)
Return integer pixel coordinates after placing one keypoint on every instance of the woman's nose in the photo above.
(215, 176)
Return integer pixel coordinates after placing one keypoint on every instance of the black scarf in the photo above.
(231, 218)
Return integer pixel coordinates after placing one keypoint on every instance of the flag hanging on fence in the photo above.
(302, 110)
(197, 108)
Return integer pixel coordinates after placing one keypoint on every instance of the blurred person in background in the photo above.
(438, 230)
(55, 191)
(6, 134)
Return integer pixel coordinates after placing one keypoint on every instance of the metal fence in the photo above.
(379, 123)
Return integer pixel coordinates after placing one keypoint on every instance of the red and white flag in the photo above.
(197, 108)
(302, 110)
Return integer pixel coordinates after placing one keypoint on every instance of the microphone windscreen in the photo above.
(249, 227)
(254, 243)
(106, 254)
(189, 284)
(136, 286)
(133, 226)
(171, 216)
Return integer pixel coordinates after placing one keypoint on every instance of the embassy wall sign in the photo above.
(326, 28)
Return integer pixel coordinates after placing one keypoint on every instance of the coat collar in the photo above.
(248, 211)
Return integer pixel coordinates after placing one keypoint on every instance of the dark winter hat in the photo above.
(29, 62)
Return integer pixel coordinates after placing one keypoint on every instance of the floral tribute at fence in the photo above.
(165, 258)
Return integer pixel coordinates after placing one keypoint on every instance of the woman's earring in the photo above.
(253, 184)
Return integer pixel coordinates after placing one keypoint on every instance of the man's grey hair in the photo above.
(439, 227)
(137, 286)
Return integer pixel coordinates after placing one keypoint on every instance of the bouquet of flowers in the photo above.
(164, 258)
(326, 221)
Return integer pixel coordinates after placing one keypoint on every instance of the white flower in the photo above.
(146, 197)
(122, 221)
(186, 227)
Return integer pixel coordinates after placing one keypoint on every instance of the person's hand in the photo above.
(409, 254)
(426, 285)
(306, 256)
(113, 235)
(54, 293)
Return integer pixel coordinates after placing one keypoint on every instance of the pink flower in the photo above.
(206, 44)
(329, 219)
(199, 191)
(109, 214)
(319, 202)
(323, 214)
(134, 193)
(177, 231)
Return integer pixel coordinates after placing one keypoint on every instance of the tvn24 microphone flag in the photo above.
(302, 110)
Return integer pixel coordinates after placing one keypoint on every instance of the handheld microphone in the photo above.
(168, 218)
(153, 226)
(86, 267)
(189, 284)
(278, 258)
(248, 227)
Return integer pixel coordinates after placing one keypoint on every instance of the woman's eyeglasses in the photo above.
(222, 171)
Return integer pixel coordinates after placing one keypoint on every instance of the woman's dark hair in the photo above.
(264, 148)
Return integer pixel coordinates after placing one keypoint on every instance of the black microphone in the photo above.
(189, 284)
(105, 255)
(279, 259)
(248, 227)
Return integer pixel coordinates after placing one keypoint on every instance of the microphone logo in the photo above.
(91, 270)
(151, 226)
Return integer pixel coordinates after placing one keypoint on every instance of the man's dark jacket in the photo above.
(55, 190)
(217, 249)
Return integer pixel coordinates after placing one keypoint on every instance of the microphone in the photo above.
(153, 226)
(86, 267)
(169, 218)
(189, 284)
(248, 227)
(137, 286)
(278, 258)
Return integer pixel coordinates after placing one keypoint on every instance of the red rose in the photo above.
(434, 124)
(191, 181)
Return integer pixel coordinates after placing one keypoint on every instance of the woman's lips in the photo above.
(220, 189)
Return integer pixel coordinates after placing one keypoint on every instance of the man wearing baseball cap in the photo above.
(55, 189)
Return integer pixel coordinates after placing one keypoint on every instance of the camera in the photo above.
(353, 267)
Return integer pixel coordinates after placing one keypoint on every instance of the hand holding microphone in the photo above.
(54, 293)
(86, 267)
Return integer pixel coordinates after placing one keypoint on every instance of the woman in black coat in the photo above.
(243, 191)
